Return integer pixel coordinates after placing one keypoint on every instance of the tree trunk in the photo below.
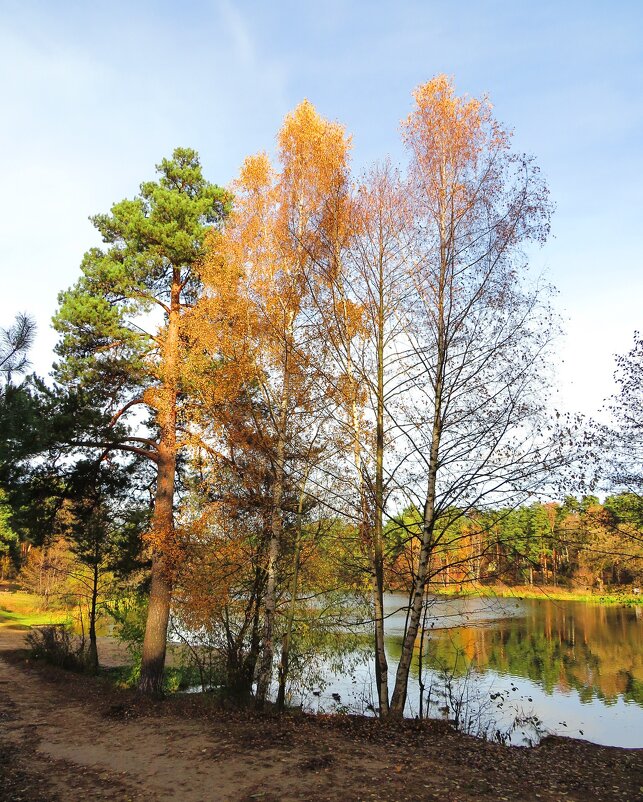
(421, 663)
(162, 535)
(370, 530)
(251, 659)
(92, 653)
(155, 641)
(270, 600)
(158, 613)
(285, 644)
(381, 664)
(553, 565)
(398, 700)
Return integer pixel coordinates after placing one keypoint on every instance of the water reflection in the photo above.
(576, 667)
(561, 646)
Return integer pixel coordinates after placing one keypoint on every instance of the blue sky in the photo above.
(93, 95)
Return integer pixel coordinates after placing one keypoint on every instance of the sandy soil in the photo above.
(69, 738)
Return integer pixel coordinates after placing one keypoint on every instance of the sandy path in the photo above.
(113, 756)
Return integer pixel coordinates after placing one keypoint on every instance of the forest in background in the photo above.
(308, 386)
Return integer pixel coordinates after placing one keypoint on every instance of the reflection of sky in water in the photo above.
(592, 647)
(450, 612)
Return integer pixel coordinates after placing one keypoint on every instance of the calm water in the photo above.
(517, 667)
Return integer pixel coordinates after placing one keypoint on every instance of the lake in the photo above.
(509, 669)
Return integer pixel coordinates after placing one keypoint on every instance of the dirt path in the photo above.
(67, 738)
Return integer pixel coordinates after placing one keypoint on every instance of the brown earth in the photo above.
(70, 738)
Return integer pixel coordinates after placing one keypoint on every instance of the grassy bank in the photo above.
(19, 609)
(552, 592)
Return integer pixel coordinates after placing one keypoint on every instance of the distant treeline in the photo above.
(577, 542)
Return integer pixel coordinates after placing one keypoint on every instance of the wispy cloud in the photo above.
(236, 27)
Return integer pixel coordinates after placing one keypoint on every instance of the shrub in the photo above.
(55, 644)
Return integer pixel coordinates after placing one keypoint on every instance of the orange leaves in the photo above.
(313, 153)
(313, 188)
(353, 316)
(247, 242)
(165, 541)
(256, 175)
(218, 559)
(217, 333)
(445, 131)
(279, 244)
(456, 148)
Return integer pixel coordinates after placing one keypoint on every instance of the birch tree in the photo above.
(368, 290)
(475, 427)
(273, 239)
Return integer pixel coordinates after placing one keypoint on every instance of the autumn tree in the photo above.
(220, 596)
(121, 342)
(477, 332)
(221, 592)
(273, 239)
(368, 280)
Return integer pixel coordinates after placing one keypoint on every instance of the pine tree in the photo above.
(122, 341)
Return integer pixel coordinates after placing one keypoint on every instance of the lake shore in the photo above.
(552, 592)
(66, 737)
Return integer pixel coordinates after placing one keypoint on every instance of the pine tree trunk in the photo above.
(162, 535)
(155, 642)
(158, 613)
